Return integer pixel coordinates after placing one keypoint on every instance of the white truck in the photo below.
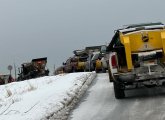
(137, 57)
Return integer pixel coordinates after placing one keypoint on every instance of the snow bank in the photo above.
(50, 97)
(75, 94)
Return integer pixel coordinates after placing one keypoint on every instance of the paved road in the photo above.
(99, 103)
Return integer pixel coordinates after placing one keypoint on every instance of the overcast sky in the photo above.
(54, 28)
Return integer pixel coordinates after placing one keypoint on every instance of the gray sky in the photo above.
(54, 28)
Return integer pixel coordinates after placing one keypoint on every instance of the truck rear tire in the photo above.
(119, 92)
(103, 70)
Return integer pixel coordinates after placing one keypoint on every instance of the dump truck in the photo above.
(137, 57)
(35, 68)
(74, 64)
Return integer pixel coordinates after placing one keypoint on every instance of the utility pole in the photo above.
(15, 71)
(9, 68)
(54, 69)
(90, 57)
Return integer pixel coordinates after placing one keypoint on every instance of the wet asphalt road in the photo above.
(99, 103)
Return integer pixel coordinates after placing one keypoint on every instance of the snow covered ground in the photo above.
(50, 97)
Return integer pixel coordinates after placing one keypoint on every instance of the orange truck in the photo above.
(35, 68)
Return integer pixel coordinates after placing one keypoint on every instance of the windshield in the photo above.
(95, 56)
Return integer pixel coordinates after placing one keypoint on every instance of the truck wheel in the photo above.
(73, 70)
(119, 93)
(103, 70)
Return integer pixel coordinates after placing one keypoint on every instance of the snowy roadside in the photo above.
(50, 97)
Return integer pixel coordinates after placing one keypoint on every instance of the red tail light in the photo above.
(113, 61)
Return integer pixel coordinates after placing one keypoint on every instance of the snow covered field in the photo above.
(50, 97)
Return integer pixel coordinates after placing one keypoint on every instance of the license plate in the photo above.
(150, 62)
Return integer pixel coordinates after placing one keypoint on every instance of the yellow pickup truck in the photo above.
(137, 57)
